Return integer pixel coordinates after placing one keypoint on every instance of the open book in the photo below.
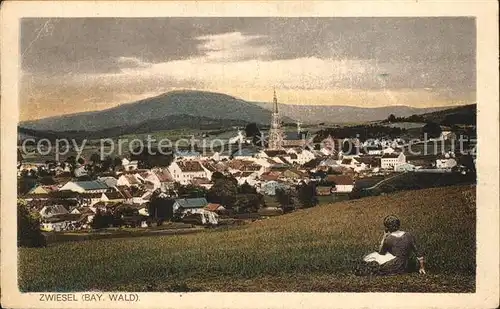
(379, 258)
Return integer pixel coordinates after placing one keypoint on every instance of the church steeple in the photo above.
(275, 102)
(276, 135)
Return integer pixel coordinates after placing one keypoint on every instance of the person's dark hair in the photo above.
(392, 223)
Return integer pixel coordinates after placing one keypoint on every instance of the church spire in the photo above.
(275, 102)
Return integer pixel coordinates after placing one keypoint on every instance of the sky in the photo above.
(74, 65)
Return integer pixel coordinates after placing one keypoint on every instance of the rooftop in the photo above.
(192, 202)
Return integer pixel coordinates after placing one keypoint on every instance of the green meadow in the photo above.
(312, 249)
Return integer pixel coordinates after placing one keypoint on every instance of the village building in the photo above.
(341, 183)
(214, 207)
(191, 205)
(270, 187)
(52, 210)
(42, 189)
(389, 161)
(129, 180)
(184, 171)
(129, 165)
(92, 186)
(446, 161)
(109, 181)
(164, 177)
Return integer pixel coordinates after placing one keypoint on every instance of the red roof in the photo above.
(340, 179)
(190, 166)
(212, 207)
(164, 176)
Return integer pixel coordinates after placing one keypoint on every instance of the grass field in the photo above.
(309, 250)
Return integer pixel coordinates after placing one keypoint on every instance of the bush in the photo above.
(28, 228)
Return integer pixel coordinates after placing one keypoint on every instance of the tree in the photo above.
(216, 176)
(432, 129)
(28, 228)
(101, 220)
(191, 191)
(161, 209)
(306, 194)
(247, 203)
(391, 118)
(223, 192)
(251, 130)
(247, 189)
(107, 163)
(284, 198)
(116, 163)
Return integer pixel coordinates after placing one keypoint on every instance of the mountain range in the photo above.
(209, 107)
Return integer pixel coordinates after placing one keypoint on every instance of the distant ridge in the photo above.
(343, 114)
(214, 106)
(180, 102)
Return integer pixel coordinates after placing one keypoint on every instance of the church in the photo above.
(278, 139)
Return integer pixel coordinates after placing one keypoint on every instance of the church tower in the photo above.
(276, 135)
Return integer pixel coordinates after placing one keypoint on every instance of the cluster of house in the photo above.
(72, 204)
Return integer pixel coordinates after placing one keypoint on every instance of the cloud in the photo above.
(234, 46)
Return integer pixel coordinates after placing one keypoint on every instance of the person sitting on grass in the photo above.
(395, 253)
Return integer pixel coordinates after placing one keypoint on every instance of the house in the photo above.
(446, 161)
(271, 153)
(63, 222)
(184, 171)
(404, 167)
(150, 180)
(348, 162)
(323, 190)
(90, 199)
(86, 212)
(215, 207)
(92, 186)
(248, 177)
(341, 183)
(295, 174)
(166, 180)
(388, 150)
(113, 196)
(202, 182)
(52, 210)
(129, 165)
(109, 181)
(271, 175)
(41, 189)
(189, 204)
(129, 180)
(390, 160)
(141, 196)
(270, 187)
(422, 161)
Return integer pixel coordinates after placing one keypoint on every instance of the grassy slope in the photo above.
(309, 250)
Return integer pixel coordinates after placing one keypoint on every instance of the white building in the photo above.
(93, 186)
(446, 161)
(184, 171)
(389, 161)
(129, 165)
